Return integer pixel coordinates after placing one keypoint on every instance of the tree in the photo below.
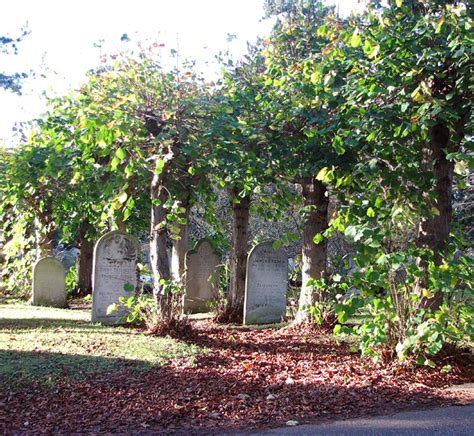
(170, 110)
(415, 82)
(239, 162)
(8, 81)
(301, 98)
(408, 99)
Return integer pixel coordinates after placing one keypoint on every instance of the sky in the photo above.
(62, 44)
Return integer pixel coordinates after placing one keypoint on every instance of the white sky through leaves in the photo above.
(60, 48)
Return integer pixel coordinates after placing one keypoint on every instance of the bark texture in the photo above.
(314, 257)
(84, 262)
(433, 231)
(238, 261)
(158, 236)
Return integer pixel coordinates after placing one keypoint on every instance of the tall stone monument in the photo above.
(202, 277)
(266, 285)
(115, 268)
(49, 283)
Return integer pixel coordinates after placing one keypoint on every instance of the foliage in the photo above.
(219, 305)
(12, 81)
(322, 311)
(71, 280)
(399, 323)
(143, 309)
(408, 85)
(374, 108)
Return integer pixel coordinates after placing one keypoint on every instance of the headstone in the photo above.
(202, 277)
(266, 285)
(49, 283)
(67, 256)
(115, 268)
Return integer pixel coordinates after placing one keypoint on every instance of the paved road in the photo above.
(446, 421)
(454, 420)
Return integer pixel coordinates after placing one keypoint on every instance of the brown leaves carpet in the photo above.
(249, 379)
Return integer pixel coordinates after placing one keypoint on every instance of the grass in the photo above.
(42, 344)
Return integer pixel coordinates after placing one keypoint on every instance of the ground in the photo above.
(61, 374)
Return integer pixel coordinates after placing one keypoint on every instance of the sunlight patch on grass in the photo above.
(38, 343)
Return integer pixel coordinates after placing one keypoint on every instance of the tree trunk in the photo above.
(238, 261)
(120, 224)
(314, 256)
(85, 261)
(180, 246)
(433, 231)
(158, 254)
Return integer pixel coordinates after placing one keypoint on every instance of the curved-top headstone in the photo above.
(202, 277)
(114, 270)
(49, 283)
(266, 285)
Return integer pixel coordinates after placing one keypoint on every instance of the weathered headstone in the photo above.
(202, 277)
(115, 268)
(266, 285)
(49, 283)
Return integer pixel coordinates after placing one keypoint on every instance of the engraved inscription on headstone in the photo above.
(49, 283)
(266, 285)
(115, 265)
(202, 277)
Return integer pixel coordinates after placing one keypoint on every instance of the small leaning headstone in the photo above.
(49, 283)
(114, 275)
(202, 277)
(266, 285)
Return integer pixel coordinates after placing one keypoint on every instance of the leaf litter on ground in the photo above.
(239, 383)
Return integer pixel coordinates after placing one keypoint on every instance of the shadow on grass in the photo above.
(18, 324)
(22, 368)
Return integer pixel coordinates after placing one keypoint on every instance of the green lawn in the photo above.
(42, 344)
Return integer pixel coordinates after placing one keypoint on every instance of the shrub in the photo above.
(401, 322)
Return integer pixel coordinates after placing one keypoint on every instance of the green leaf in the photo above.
(294, 237)
(318, 238)
(122, 198)
(128, 287)
(356, 39)
(338, 144)
(325, 175)
(120, 153)
(126, 214)
(114, 163)
(430, 363)
(446, 369)
(160, 164)
(112, 308)
(370, 212)
(315, 78)
(276, 245)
